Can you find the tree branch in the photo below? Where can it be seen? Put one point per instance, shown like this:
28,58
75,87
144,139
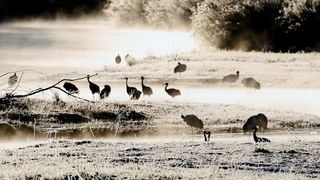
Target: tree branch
36,91
77,79
72,94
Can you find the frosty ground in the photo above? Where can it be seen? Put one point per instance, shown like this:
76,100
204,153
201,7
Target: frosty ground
163,159
118,138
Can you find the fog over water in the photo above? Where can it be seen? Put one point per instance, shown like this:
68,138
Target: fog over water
83,43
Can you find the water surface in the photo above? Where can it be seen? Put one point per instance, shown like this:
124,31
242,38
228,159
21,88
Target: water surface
83,43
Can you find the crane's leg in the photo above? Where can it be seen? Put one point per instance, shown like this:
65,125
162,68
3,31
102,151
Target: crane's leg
192,133
260,130
205,135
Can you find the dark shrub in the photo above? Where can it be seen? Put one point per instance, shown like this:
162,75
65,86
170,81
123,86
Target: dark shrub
275,25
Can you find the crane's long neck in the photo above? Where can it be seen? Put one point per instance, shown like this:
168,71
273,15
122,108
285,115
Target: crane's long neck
88,79
255,135
127,83
142,83
166,87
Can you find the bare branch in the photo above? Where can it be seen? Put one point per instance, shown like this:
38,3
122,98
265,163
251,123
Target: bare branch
72,94
36,91
77,79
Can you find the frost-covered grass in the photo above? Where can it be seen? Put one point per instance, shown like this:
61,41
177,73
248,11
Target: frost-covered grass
169,159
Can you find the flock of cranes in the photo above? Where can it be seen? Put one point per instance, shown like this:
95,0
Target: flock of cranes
134,93
259,120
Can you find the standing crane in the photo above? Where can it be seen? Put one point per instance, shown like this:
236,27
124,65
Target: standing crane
93,87
172,92
231,78
147,91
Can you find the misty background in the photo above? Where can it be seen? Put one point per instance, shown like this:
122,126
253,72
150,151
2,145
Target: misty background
260,25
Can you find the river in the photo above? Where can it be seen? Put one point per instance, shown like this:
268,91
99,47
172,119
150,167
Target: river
83,43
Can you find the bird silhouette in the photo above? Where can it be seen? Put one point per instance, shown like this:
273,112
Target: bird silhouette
258,139
136,94
259,120
71,88
105,92
147,91
13,80
207,135
231,78
172,92
93,87
180,68
130,60
251,83
193,121
130,90
118,59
